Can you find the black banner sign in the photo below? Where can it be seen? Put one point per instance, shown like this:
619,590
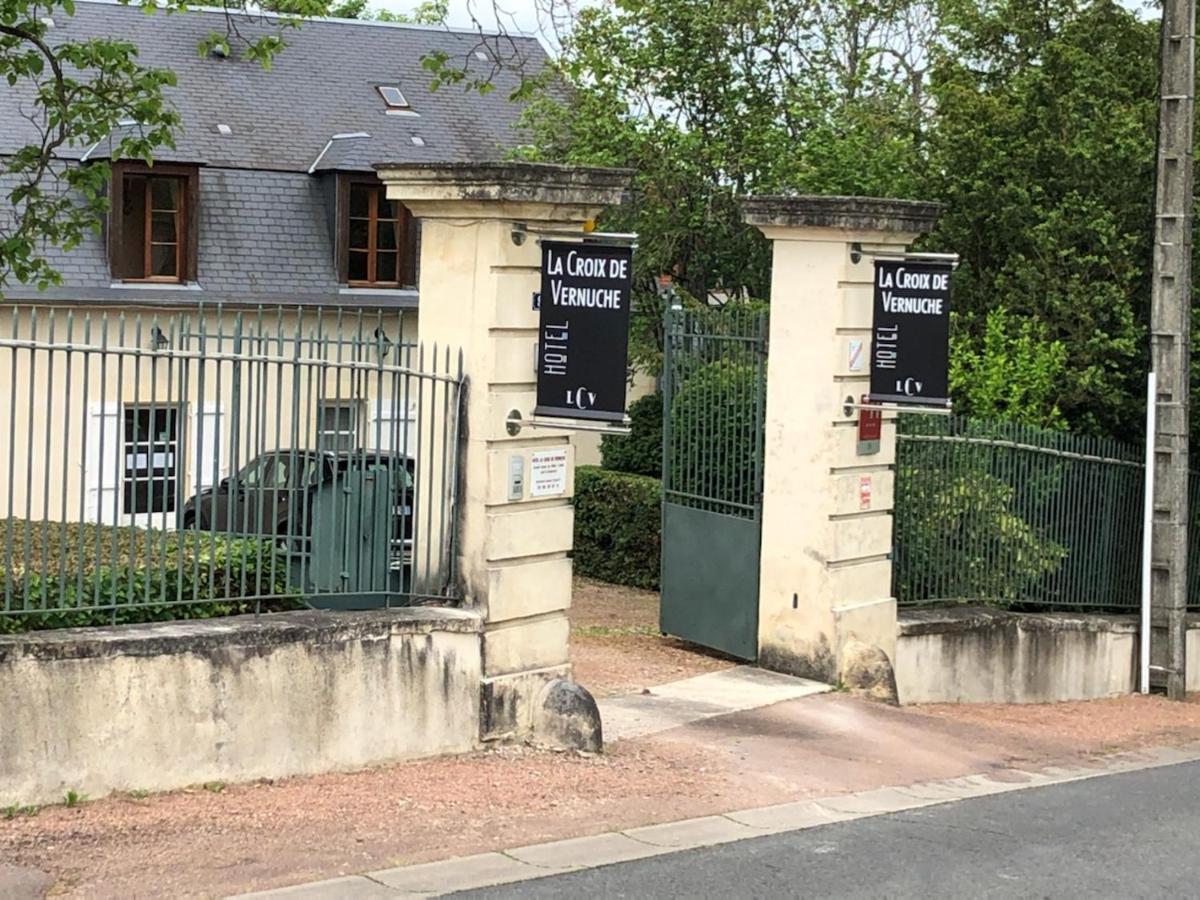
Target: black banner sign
583,332
911,333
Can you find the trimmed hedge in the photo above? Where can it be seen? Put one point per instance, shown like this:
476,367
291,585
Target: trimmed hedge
640,451
618,526
72,575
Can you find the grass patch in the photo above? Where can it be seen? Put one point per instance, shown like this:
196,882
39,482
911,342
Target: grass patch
17,809
73,799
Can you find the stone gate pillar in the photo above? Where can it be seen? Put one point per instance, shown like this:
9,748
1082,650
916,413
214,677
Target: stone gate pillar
825,566
478,275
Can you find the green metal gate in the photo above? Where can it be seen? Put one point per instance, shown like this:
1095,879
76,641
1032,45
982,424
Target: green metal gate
714,394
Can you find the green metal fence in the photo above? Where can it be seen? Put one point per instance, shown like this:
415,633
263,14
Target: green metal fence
162,465
714,395
1022,517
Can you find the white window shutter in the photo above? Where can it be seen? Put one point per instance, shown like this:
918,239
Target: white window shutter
389,423
104,450
207,432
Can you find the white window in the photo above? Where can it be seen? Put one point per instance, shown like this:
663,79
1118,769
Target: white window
337,425
149,482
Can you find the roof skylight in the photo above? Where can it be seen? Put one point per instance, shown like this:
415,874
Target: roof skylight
392,96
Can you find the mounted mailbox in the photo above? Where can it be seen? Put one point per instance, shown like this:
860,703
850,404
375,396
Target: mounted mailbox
583,330
870,428
910,355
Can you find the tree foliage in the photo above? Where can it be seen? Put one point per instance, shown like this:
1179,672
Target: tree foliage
1011,373
1043,153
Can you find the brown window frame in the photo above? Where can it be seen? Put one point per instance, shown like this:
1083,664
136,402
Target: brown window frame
405,238
185,218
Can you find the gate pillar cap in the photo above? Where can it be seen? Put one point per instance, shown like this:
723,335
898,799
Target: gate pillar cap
840,213
506,182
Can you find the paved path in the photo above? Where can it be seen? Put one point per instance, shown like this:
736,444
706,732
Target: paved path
701,697
1126,835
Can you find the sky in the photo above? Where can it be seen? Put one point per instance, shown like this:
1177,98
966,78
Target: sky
519,16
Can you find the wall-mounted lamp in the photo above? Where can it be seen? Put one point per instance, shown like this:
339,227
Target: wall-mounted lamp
158,340
383,342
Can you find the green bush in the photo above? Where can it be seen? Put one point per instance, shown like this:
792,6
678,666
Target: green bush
618,526
640,452
50,573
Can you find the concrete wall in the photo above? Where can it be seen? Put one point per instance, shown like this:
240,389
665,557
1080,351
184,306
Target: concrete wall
154,707
979,655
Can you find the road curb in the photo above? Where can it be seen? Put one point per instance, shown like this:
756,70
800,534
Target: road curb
594,851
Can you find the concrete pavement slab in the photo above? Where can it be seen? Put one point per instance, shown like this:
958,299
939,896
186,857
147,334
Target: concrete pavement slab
977,786
702,697
700,832
787,816
873,803
463,873
351,887
594,850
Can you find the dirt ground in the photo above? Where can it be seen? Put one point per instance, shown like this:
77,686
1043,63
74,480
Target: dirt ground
217,840
616,647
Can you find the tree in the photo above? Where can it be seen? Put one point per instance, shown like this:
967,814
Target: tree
1010,373
1043,153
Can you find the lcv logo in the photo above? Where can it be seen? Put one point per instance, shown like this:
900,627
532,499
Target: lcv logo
581,398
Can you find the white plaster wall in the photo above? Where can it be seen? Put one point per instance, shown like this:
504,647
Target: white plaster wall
156,707
1016,659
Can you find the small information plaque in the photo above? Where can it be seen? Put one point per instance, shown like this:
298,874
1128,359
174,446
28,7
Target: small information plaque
548,473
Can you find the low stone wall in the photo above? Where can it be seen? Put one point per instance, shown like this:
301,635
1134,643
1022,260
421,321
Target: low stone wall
154,707
981,655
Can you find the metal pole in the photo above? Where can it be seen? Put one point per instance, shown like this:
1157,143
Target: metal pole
1170,309
1147,533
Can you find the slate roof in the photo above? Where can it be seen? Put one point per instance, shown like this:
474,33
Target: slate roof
265,230
323,83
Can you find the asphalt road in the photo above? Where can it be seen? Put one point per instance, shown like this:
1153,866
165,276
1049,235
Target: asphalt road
1128,835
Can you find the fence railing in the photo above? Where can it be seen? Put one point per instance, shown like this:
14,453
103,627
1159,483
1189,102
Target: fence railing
714,395
158,465
1005,514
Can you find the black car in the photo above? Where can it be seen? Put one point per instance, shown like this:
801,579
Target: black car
272,495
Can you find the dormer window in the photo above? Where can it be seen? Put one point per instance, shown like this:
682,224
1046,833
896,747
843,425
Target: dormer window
376,241
393,97
152,223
